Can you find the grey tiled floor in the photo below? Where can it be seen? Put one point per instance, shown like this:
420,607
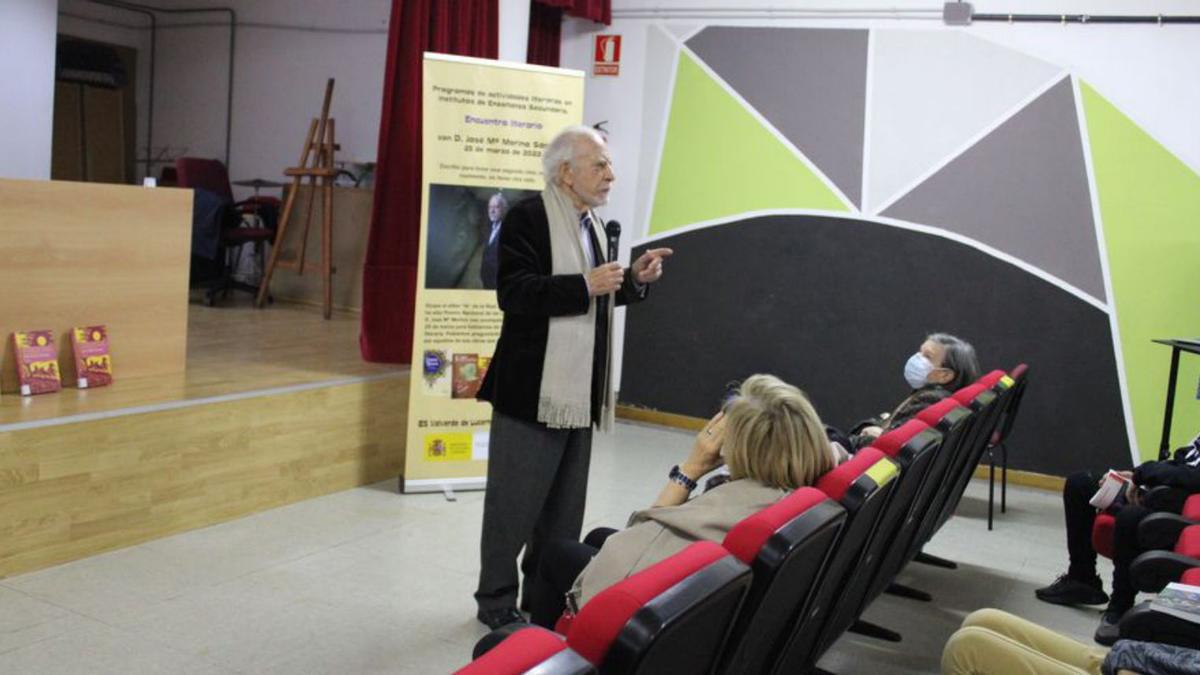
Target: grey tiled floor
369,581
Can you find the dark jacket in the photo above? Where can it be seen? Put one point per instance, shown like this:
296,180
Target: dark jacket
909,408
529,295
490,265
1181,471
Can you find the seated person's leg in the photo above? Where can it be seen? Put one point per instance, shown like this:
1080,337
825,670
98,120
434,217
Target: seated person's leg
1125,549
1080,585
598,536
488,642
1151,657
562,560
1038,638
974,650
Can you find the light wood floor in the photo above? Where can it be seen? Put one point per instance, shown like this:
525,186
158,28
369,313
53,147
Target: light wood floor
275,407
232,348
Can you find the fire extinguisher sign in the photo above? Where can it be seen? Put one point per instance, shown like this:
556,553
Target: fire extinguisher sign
607,55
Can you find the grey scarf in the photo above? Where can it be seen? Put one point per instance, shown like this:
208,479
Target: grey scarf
565,399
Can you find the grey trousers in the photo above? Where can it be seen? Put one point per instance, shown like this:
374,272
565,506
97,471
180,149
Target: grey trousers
536,489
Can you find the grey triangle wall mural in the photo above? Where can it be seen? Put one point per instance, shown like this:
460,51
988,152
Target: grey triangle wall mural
833,196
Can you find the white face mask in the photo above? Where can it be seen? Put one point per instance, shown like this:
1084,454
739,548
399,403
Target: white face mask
917,370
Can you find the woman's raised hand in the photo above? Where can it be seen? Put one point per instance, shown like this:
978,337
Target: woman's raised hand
706,451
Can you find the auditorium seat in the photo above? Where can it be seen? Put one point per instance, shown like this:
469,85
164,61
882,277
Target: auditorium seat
673,616
914,446
1176,510
862,486
1161,530
1147,625
954,421
1012,387
1153,570
984,403
914,462
786,545
529,650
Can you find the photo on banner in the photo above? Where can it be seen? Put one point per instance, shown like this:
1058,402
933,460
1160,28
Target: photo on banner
485,125
464,234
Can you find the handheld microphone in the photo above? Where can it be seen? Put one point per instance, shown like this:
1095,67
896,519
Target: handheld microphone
613,231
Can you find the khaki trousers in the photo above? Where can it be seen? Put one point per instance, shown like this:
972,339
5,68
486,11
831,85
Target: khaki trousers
995,642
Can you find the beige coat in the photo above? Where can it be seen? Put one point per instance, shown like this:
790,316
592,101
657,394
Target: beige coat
658,533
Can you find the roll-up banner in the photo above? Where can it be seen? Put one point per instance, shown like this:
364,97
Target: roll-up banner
485,124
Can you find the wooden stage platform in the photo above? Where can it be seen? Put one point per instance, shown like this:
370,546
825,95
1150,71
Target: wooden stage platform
274,406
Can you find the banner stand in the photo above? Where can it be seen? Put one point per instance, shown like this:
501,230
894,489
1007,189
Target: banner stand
485,125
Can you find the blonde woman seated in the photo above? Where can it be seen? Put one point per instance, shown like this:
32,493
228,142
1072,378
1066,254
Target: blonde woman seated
772,441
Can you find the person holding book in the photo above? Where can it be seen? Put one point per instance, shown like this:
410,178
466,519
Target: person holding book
772,440
993,642
1081,585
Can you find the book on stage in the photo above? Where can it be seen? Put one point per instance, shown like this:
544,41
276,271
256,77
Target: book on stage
37,362
93,363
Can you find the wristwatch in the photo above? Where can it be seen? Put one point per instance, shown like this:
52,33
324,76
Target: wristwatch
677,476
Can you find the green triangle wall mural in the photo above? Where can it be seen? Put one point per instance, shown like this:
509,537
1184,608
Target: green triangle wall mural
1150,207
718,160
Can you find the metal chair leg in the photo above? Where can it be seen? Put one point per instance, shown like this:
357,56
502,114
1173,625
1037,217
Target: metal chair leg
991,488
1003,478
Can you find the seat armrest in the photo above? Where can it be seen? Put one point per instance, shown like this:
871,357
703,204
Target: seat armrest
1165,498
1160,531
1153,570
1146,625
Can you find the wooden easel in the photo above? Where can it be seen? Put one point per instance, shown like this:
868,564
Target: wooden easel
319,147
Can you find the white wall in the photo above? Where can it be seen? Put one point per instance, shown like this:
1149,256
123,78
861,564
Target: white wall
27,29
285,51
1147,71
514,30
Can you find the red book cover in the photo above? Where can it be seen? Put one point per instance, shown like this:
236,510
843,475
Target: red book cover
465,376
93,363
37,362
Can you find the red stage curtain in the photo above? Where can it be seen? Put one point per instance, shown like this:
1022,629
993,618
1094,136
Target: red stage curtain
466,27
545,34
599,11
545,25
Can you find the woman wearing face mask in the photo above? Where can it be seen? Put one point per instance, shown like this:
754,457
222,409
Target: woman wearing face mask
941,366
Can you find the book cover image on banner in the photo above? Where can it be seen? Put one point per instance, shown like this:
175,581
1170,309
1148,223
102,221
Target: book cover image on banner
485,125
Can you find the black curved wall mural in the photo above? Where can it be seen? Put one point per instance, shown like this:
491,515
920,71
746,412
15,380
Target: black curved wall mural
836,305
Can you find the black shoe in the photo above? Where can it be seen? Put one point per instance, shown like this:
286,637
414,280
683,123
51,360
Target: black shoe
1109,630
1068,591
495,618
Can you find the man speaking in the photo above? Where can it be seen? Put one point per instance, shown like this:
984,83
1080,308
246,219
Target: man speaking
549,381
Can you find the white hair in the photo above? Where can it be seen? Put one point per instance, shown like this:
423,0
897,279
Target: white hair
561,149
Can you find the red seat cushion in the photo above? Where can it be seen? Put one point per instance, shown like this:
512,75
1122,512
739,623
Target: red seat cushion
1102,534
968,393
602,618
746,538
934,413
891,442
1191,508
990,380
1191,577
837,481
518,653
1188,543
